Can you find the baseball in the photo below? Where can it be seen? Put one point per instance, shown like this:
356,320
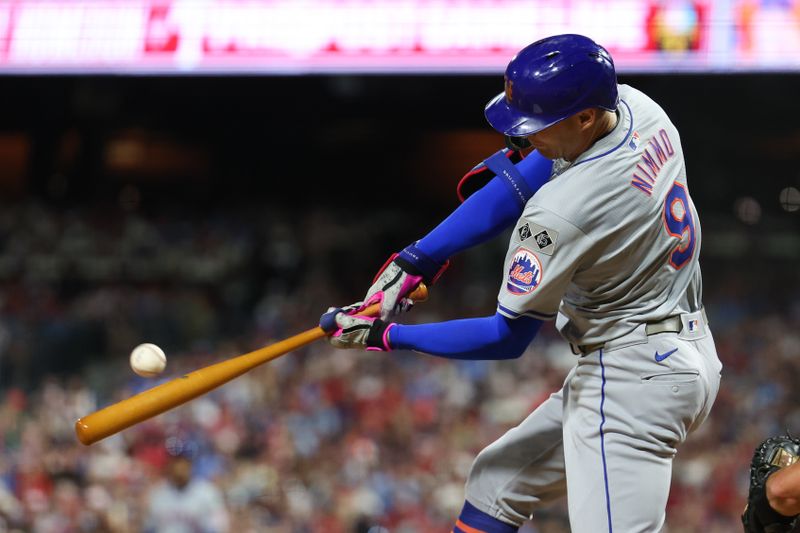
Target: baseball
148,360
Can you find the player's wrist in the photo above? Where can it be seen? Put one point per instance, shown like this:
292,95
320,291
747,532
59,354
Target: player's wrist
378,336
416,262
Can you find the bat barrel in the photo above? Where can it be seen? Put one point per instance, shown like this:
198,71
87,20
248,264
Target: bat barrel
147,404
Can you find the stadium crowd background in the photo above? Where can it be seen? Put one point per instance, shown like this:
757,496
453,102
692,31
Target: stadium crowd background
274,215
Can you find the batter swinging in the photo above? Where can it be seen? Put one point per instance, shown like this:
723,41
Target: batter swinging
605,242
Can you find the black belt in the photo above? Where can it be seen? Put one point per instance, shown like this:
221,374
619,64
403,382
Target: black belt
671,324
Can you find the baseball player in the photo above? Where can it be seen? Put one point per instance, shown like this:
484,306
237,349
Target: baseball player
606,245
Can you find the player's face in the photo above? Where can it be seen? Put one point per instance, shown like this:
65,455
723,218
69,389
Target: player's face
566,139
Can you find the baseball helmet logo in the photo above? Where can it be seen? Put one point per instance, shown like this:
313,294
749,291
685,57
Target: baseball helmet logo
509,90
524,273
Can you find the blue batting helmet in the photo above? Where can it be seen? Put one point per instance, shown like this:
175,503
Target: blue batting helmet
551,79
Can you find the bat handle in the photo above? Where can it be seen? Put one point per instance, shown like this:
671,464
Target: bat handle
328,321
420,294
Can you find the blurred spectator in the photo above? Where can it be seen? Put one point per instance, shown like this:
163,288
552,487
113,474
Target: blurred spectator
315,441
183,503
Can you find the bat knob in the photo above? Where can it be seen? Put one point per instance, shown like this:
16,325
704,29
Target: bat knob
83,433
420,294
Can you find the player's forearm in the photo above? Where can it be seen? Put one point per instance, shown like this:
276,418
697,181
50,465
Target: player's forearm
783,490
492,337
486,213
482,216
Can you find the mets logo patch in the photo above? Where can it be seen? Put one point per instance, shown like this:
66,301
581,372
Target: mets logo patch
525,272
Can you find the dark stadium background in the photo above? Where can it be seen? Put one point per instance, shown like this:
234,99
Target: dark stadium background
246,135
368,163
358,144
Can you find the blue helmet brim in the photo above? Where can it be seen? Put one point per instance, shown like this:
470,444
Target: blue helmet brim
509,121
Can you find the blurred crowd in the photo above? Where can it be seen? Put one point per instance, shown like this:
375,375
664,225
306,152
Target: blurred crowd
318,440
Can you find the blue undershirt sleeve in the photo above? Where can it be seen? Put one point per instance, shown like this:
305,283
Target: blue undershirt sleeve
485,214
491,337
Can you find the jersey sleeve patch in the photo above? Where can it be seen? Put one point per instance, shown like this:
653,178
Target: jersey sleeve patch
524,272
543,238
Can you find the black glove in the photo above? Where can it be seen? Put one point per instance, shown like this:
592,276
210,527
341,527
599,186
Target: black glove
769,457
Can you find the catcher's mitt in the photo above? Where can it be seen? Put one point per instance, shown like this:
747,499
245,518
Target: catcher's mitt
771,455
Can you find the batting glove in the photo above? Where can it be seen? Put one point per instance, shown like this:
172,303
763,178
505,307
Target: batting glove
399,276
351,330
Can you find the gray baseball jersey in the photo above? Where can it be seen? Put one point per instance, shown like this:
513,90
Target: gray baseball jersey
609,246
612,240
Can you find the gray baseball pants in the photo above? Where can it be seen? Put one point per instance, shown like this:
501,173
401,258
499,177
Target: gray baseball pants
607,439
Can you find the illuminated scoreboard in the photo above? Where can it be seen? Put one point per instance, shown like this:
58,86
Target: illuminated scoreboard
389,36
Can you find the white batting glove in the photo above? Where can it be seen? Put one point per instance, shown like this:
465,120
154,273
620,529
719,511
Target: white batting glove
400,275
351,330
390,288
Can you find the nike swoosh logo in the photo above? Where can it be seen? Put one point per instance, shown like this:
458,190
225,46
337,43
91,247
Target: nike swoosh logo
661,356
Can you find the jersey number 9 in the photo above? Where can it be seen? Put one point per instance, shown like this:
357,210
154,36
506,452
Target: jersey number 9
679,221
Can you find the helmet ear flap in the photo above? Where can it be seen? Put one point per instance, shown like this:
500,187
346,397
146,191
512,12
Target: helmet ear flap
517,143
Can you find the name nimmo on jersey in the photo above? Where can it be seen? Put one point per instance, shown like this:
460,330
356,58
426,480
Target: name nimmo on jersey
647,170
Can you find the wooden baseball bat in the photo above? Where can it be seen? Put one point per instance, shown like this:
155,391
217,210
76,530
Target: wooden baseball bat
152,402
